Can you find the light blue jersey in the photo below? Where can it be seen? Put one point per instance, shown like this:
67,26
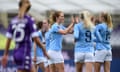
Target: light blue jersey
39,52
47,39
102,33
83,38
56,37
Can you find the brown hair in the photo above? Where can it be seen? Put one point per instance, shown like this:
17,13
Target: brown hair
39,25
55,15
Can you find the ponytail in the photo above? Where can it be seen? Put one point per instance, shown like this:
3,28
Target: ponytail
109,21
87,20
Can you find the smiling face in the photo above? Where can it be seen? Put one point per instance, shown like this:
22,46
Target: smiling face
45,25
61,17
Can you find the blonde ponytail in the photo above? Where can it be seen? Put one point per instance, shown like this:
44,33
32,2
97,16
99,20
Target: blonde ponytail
109,21
51,21
87,20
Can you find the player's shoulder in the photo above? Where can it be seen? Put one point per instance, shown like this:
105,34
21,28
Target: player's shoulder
100,25
14,20
55,25
30,17
78,24
39,32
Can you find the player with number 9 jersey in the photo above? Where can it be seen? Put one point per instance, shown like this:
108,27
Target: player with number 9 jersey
84,48
83,38
21,30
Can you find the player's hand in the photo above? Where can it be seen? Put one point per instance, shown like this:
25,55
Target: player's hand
4,60
72,20
35,59
46,54
76,19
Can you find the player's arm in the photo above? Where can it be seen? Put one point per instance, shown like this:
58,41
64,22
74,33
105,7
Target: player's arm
9,35
76,19
34,34
37,41
76,32
67,30
71,31
6,51
7,46
34,45
98,35
35,56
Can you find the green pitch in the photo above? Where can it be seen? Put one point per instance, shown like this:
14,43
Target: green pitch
3,42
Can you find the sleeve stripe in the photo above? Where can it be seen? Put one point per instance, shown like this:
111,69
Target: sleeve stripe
8,35
34,34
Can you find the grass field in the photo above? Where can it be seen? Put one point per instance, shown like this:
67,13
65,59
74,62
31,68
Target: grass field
3,42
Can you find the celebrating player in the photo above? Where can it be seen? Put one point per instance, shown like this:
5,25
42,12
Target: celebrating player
103,52
57,30
84,49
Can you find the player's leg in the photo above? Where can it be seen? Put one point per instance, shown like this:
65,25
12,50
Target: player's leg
99,59
51,61
59,67
47,68
97,66
108,60
20,71
24,71
107,66
52,68
79,60
34,68
56,62
59,62
78,66
89,66
41,66
89,60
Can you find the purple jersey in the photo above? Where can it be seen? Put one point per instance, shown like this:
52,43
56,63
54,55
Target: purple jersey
22,30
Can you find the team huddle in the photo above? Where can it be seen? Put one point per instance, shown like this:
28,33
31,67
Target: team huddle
40,45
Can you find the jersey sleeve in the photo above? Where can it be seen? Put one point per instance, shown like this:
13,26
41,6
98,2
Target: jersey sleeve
63,27
76,32
9,33
32,28
55,28
40,35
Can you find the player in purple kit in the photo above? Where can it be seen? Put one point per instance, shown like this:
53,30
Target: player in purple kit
22,29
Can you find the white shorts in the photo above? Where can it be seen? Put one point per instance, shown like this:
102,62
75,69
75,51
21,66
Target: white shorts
46,63
55,57
40,60
103,55
84,57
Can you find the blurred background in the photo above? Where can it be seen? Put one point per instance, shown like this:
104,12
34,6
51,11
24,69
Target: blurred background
42,9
